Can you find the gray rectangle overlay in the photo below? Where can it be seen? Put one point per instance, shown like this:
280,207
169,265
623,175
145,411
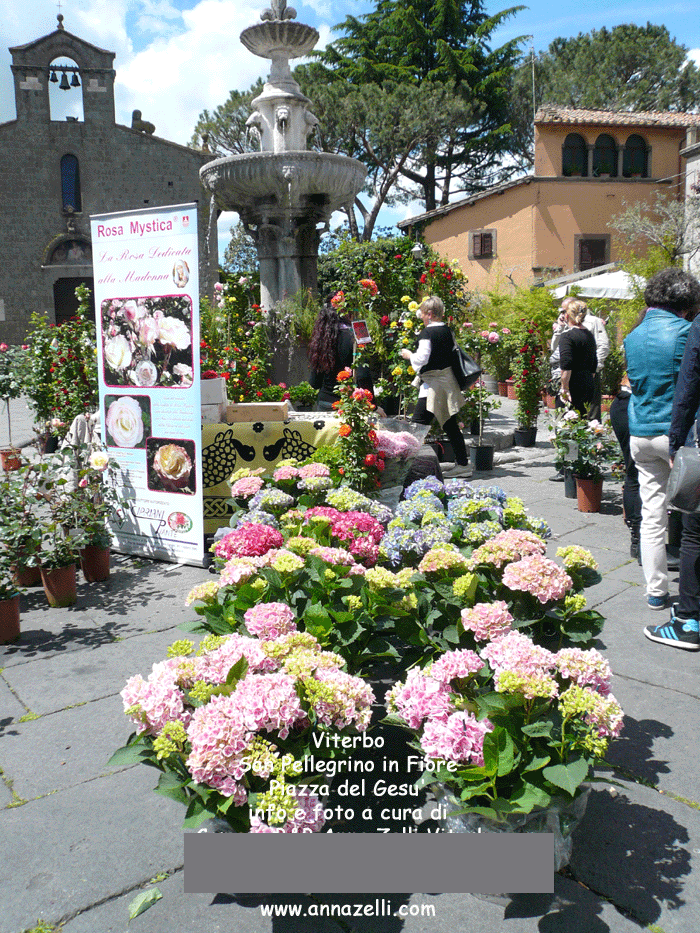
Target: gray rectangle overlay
390,863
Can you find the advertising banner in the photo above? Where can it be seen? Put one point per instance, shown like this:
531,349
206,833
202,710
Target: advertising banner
147,314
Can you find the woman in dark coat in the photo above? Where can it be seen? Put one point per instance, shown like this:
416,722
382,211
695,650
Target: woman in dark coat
331,350
577,358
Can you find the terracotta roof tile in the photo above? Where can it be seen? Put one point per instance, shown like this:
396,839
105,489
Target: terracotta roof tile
616,117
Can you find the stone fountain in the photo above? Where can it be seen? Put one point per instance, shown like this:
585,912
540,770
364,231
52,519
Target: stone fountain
285,193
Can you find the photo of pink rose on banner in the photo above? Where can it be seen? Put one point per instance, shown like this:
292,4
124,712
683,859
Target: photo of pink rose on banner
147,342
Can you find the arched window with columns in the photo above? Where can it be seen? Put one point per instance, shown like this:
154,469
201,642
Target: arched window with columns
605,156
635,160
574,157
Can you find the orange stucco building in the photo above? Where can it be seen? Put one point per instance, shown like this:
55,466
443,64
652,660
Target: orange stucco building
588,166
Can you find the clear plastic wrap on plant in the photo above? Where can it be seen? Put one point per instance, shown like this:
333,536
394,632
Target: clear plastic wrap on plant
560,818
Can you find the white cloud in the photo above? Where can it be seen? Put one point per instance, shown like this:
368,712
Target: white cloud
694,55
176,77
158,16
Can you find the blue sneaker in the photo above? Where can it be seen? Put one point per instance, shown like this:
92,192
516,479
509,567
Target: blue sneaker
679,633
658,602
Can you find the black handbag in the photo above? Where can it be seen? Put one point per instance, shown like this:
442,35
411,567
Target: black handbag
466,370
684,480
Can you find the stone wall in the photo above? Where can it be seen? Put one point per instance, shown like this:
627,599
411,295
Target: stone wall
120,169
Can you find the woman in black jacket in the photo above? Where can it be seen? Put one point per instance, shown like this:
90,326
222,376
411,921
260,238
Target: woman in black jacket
440,396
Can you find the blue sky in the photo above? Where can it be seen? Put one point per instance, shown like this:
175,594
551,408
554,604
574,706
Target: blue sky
174,58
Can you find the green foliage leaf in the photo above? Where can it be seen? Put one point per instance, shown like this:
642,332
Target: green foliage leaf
130,755
170,785
143,901
538,729
317,621
196,814
568,777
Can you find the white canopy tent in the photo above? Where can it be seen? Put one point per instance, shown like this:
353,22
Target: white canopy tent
616,284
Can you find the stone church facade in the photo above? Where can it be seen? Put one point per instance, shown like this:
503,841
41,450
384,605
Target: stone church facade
55,173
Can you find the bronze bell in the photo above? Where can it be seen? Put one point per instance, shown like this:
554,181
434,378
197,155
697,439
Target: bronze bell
64,85
74,82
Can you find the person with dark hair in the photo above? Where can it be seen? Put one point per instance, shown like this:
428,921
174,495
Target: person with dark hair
439,396
330,351
654,350
683,628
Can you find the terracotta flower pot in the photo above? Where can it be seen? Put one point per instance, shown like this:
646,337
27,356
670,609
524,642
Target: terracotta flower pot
94,562
589,493
27,576
10,459
503,389
9,619
60,585
511,390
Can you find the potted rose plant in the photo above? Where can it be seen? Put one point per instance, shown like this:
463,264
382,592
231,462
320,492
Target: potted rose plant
60,538
21,527
96,499
585,449
528,371
9,599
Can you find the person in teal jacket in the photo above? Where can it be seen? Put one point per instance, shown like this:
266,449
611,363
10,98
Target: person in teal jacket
654,350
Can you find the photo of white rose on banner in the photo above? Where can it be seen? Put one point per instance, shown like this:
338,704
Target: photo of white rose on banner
171,465
127,420
147,342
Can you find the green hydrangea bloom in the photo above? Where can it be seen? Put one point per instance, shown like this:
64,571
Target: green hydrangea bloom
181,648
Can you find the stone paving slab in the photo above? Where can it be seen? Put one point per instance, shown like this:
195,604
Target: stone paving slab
77,847
105,611
72,746
178,912
634,656
641,850
10,708
571,909
63,680
655,745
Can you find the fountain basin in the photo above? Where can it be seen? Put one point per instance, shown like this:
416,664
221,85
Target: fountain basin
285,38
287,180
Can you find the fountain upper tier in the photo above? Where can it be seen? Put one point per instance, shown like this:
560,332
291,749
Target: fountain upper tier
262,183
280,39
285,192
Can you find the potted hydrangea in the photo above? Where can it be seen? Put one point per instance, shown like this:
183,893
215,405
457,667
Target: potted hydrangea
234,725
513,730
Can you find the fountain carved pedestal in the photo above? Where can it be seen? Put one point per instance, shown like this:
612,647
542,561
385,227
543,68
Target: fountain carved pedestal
285,193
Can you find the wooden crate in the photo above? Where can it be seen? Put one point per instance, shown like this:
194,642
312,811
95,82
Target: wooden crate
257,411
